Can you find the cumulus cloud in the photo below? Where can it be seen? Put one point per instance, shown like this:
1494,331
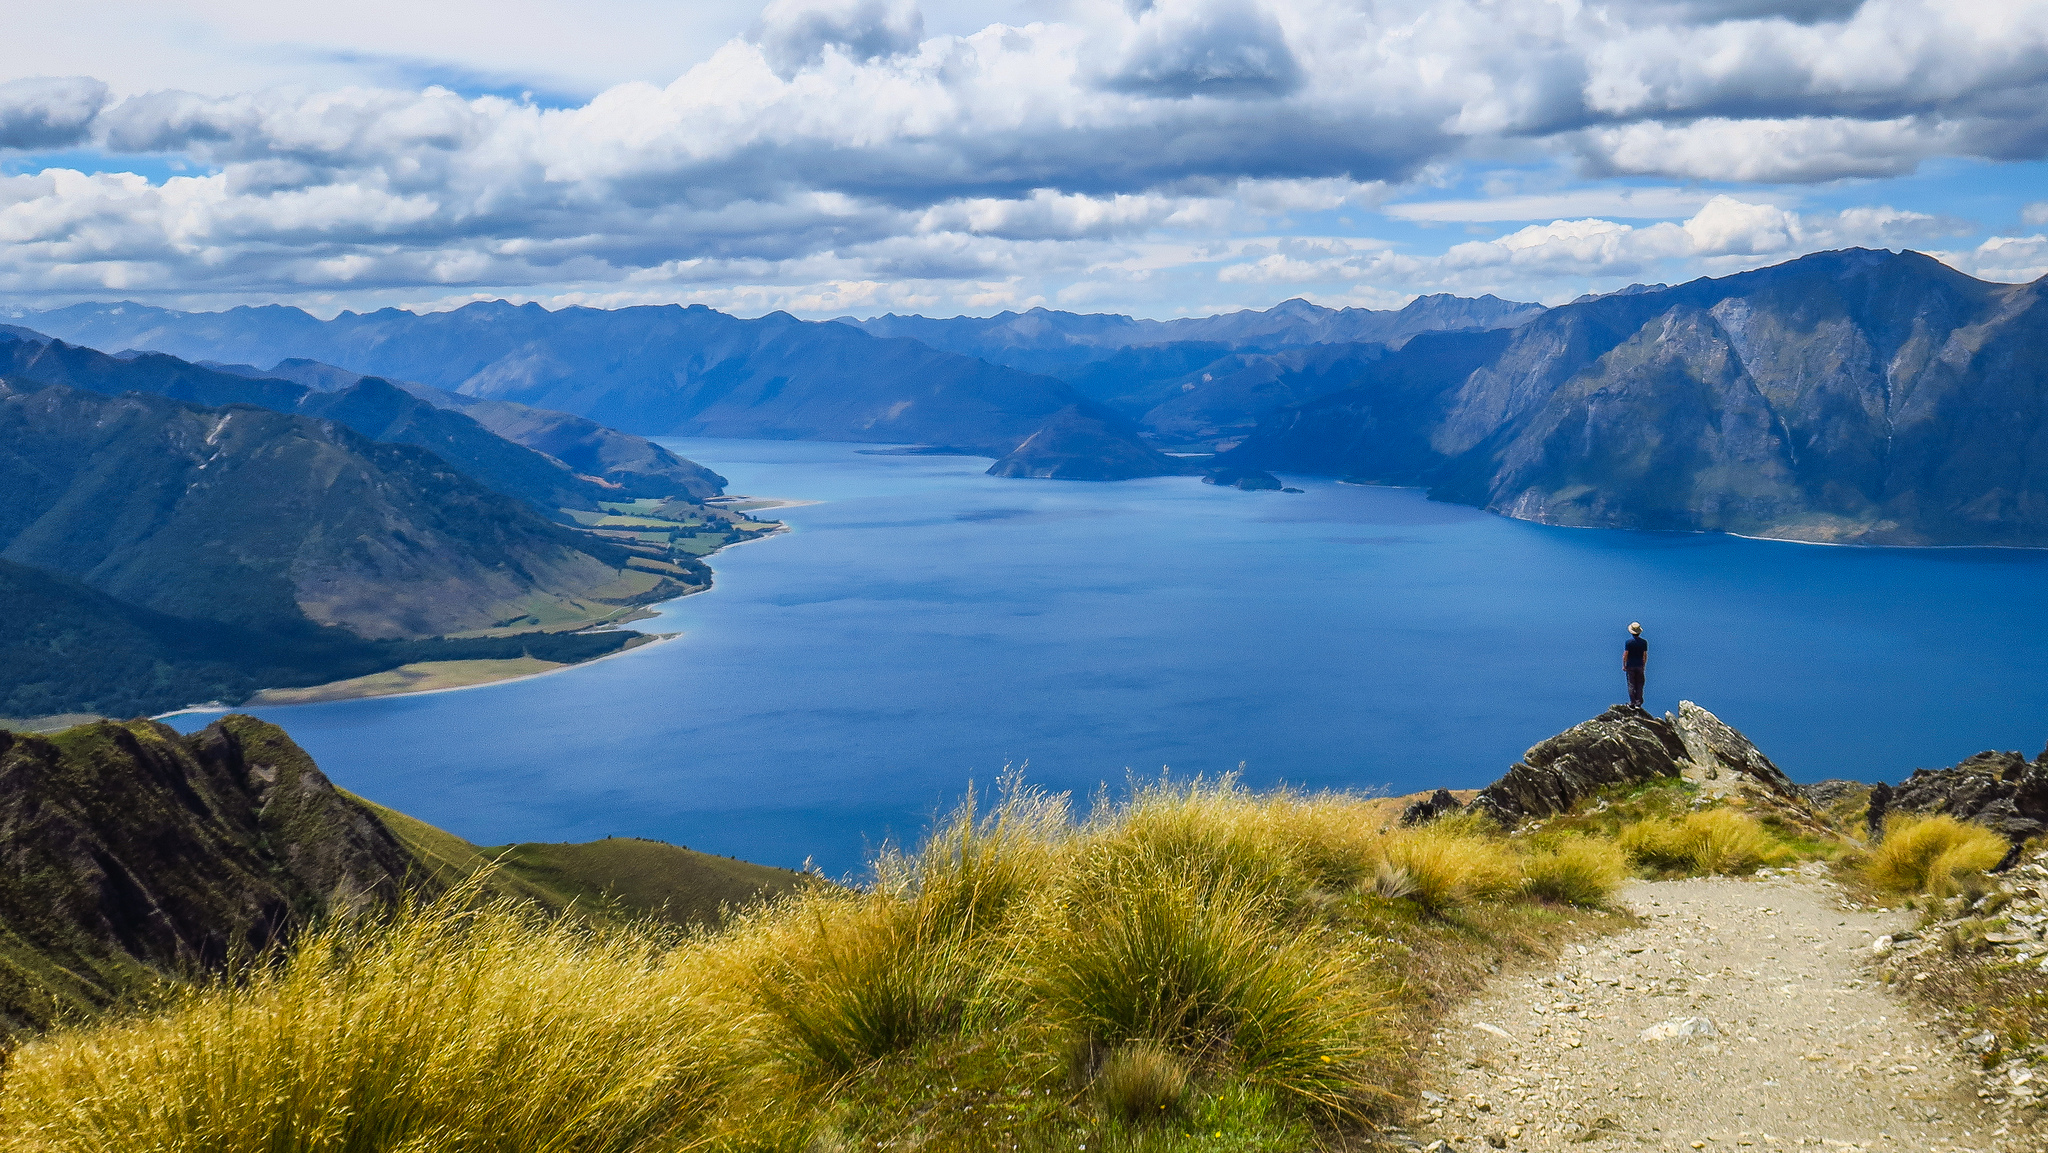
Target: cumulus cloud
794,34
838,142
1225,48
48,112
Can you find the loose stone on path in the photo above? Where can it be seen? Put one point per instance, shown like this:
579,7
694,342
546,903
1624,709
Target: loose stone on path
1742,1014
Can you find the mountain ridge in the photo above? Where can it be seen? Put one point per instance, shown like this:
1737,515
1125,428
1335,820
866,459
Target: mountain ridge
1854,396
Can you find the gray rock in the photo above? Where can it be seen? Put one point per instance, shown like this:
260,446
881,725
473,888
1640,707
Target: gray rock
2003,791
1624,745
1711,744
1430,808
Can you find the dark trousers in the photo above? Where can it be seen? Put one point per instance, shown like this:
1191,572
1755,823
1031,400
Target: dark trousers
1635,686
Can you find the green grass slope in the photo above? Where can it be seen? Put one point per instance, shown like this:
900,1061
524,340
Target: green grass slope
615,879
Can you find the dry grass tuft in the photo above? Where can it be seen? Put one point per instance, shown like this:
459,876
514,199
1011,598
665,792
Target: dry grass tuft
1707,842
1142,1082
1444,864
1576,870
1931,854
451,1028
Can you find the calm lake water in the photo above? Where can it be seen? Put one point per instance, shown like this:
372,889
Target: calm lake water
925,625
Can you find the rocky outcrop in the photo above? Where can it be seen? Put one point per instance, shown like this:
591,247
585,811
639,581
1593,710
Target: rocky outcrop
2002,791
1718,751
1623,746
1438,804
1626,746
130,854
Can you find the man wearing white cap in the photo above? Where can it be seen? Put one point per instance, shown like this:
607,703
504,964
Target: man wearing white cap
1634,655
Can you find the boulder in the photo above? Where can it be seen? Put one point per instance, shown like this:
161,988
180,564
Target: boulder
1430,808
1717,750
2003,791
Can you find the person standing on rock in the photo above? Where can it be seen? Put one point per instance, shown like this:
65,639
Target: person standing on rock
1634,655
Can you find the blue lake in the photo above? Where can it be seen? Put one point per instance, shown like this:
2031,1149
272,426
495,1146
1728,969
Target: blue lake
924,625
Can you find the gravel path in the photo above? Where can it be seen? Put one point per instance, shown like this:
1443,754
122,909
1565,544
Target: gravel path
1783,1038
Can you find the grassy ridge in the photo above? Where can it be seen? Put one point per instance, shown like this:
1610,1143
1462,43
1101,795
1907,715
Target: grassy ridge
1197,969
613,881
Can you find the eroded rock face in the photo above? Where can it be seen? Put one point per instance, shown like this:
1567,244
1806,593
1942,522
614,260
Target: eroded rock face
2003,791
1624,745
1627,745
129,853
1710,744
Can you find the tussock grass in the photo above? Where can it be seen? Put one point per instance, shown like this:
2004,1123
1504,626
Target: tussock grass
1255,962
1930,854
451,1028
1142,1082
1448,863
1706,842
1576,870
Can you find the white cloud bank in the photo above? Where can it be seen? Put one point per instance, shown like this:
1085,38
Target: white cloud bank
840,154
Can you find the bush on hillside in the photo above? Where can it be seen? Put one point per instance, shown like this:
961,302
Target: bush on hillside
1930,854
1209,972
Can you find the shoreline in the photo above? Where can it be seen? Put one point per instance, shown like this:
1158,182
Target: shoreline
764,504
654,639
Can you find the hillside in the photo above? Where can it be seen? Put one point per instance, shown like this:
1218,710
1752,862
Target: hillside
1570,958
385,413
652,371
263,520
136,856
637,466
1855,396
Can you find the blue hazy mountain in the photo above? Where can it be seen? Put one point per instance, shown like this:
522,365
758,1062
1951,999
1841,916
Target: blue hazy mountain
650,371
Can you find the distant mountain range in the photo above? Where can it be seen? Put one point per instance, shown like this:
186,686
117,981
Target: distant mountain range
1042,340
971,383
1855,396
1862,396
655,371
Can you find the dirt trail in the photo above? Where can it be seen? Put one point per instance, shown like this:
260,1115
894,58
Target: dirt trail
1804,1047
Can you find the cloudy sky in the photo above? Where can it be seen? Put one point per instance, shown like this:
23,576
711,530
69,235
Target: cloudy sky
1156,157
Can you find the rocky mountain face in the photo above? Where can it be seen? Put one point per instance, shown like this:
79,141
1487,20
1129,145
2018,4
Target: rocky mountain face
383,412
1873,397
1623,746
258,519
654,371
2000,790
135,855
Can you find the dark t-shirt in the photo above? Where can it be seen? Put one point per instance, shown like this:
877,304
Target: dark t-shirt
1634,651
